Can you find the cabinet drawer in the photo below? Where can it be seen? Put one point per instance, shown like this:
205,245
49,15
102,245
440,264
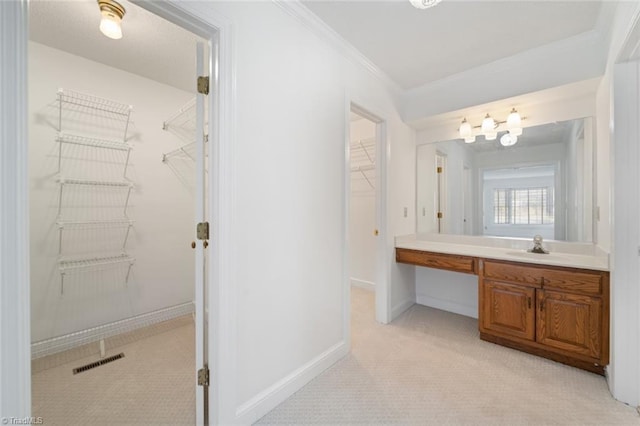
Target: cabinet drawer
436,260
513,273
572,281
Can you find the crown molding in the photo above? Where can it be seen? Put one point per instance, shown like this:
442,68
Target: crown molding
327,34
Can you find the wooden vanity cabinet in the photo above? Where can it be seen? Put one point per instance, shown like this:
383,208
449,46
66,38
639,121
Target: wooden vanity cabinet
449,262
508,309
559,313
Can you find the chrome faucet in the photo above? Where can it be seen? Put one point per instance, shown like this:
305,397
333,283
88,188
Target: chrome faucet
537,246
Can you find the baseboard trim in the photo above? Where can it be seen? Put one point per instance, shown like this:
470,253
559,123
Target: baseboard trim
367,285
79,338
397,310
267,400
447,305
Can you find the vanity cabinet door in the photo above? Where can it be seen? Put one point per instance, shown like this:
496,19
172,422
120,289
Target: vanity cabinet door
570,322
508,309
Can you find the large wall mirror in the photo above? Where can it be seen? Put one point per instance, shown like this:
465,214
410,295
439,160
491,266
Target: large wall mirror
543,184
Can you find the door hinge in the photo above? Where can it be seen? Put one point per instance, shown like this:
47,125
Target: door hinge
202,231
203,85
203,376
439,215
439,170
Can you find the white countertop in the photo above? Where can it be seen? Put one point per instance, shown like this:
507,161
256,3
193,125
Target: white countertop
570,255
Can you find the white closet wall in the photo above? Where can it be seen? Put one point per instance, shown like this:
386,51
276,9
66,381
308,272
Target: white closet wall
362,220
161,203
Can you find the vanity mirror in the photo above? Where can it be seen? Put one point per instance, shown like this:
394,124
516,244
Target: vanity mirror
541,184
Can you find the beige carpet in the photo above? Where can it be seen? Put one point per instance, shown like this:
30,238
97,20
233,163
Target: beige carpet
152,385
430,367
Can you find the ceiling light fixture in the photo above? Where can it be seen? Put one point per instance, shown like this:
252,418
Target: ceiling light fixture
508,139
489,128
112,14
424,4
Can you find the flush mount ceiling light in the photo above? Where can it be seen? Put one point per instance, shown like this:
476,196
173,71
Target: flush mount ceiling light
489,128
424,4
508,139
112,14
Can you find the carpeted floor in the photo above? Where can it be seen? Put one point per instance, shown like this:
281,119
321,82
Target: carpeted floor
427,367
430,367
152,385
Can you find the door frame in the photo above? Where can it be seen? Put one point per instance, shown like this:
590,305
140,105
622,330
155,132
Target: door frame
15,333
382,284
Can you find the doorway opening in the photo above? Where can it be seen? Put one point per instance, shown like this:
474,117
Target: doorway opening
366,229
118,179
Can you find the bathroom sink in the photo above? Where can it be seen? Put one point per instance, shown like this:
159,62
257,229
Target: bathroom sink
537,256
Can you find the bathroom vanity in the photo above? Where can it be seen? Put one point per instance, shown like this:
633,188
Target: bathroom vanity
553,305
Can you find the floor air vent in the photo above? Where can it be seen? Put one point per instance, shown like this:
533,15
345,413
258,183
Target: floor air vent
97,363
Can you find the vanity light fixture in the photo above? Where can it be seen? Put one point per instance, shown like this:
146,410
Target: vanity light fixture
424,4
489,128
112,13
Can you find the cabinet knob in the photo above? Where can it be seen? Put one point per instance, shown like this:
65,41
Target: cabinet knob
193,244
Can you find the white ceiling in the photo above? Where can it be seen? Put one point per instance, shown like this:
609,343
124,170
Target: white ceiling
416,47
412,46
151,47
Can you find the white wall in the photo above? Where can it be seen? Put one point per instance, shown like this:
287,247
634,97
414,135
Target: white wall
362,220
449,291
287,258
617,113
161,204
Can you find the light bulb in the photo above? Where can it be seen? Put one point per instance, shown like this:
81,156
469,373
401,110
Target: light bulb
465,129
112,13
110,26
470,139
514,123
488,126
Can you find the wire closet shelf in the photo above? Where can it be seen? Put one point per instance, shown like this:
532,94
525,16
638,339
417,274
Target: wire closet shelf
93,112
363,160
183,125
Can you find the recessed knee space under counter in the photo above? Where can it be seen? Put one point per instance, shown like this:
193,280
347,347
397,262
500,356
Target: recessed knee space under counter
552,305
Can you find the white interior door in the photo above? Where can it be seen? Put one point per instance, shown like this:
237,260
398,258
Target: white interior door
441,197
201,245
